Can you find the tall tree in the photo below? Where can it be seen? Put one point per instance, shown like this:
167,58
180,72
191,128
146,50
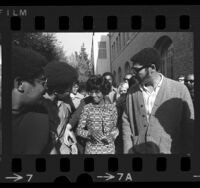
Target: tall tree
83,64
44,43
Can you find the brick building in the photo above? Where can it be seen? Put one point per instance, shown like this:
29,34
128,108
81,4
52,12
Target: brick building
176,49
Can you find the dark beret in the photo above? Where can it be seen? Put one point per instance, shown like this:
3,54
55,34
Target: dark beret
60,73
147,56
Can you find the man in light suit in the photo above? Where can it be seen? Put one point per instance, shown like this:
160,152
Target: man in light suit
159,114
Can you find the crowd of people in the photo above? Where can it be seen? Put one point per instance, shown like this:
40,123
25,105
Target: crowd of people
53,113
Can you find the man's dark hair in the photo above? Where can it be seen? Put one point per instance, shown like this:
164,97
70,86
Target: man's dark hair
147,57
60,76
98,83
27,64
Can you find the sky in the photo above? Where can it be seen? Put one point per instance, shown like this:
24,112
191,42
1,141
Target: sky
72,42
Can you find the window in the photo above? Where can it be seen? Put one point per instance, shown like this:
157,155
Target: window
167,61
119,42
127,68
102,44
123,39
117,45
119,75
114,50
165,46
114,76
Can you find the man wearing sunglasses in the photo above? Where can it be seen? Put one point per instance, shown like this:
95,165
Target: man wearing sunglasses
189,82
159,112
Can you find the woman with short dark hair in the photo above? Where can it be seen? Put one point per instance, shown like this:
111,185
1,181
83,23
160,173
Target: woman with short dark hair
98,119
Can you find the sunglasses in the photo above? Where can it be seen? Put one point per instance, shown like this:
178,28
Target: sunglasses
126,79
190,81
137,70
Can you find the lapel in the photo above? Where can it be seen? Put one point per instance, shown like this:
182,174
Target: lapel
159,96
138,99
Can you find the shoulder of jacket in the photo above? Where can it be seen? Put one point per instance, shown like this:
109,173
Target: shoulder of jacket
174,84
35,116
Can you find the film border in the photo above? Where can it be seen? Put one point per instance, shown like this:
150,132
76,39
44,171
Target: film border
52,14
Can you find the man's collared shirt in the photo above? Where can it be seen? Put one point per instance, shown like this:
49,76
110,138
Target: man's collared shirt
150,96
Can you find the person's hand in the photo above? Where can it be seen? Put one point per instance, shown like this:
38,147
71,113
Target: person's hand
96,135
69,135
108,139
74,149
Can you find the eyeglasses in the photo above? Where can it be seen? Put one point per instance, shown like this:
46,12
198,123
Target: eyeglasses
190,81
126,79
137,70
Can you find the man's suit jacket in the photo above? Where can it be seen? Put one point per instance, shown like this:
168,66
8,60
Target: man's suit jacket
170,125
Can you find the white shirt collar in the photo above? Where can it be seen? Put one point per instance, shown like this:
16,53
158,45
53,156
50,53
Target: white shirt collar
144,88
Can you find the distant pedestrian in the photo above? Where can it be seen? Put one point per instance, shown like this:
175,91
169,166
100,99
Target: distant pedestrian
112,96
75,95
82,89
189,82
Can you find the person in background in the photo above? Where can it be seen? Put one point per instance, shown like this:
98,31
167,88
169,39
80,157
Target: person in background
181,79
75,95
98,119
60,78
132,81
30,128
127,77
120,104
82,89
189,82
113,91
159,113
122,89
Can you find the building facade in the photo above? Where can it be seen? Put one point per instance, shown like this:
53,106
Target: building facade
103,57
176,49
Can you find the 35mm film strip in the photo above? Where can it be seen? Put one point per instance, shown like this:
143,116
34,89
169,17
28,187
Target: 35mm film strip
144,129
